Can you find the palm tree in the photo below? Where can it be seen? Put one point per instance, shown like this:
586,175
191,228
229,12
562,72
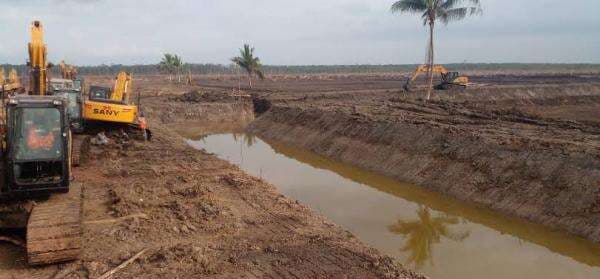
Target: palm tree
171,63
424,233
248,62
178,64
432,10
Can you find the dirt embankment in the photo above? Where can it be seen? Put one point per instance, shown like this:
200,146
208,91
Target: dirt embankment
490,152
206,218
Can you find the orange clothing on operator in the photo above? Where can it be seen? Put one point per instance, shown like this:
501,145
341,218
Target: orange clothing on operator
35,141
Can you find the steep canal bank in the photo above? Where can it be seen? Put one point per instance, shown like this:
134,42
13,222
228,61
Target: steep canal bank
537,169
441,237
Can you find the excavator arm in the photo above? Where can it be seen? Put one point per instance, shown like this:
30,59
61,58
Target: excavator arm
37,61
437,69
121,90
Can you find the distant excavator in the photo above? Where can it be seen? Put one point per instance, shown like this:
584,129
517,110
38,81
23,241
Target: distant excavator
449,80
72,88
12,84
113,108
67,71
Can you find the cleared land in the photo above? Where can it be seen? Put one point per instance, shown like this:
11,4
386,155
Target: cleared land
524,145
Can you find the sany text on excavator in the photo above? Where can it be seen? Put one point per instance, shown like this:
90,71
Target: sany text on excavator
36,191
114,108
449,80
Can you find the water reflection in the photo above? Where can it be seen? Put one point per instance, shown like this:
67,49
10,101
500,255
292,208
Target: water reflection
577,248
246,138
422,234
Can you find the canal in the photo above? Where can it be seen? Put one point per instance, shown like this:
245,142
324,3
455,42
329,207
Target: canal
434,234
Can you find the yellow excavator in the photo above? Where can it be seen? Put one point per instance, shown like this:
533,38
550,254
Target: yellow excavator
113,108
12,84
36,191
67,71
449,80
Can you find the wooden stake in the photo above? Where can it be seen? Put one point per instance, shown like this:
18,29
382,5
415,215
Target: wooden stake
123,265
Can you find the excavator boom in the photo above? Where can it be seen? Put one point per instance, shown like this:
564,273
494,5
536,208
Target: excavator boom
37,61
437,69
121,90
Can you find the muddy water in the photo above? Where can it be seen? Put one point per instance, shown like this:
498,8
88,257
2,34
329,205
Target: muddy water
428,232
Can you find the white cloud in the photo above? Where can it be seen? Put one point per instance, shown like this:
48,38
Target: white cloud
298,32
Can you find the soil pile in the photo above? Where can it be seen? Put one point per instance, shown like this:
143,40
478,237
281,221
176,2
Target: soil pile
196,96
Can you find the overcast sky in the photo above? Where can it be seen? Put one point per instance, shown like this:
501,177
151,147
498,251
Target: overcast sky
298,32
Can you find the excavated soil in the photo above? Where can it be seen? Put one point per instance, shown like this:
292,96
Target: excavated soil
194,215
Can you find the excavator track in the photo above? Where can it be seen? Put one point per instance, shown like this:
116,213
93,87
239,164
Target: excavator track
81,147
139,134
54,229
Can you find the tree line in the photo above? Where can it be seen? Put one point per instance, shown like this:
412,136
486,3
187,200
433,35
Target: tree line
197,68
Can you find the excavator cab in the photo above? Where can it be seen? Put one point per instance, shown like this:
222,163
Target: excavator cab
99,93
452,80
74,108
449,76
36,147
79,85
71,91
